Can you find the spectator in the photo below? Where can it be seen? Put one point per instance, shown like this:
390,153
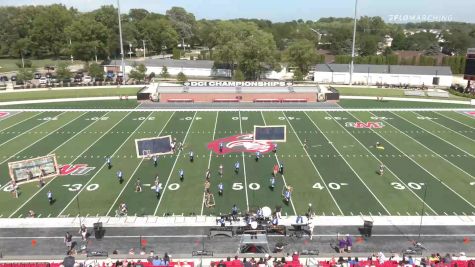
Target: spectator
295,257
236,261
221,264
156,261
261,263
288,258
341,245
166,258
462,256
246,263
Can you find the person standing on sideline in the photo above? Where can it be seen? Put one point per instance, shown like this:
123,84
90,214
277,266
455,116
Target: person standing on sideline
181,173
208,174
68,240
258,155
281,168
349,243
191,156
155,160
83,232
109,162
234,212
275,170
311,226
50,197
274,148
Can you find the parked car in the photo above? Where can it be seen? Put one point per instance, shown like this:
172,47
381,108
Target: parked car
13,78
43,80
49,75
3,79
86,79
77,79
37,76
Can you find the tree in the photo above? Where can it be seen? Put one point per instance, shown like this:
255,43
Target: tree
159,34
368,45
458,41
138,73
298,75
96,71
181,77
47,32
301,54
182,21
63,72
238,76
88,37
25,74
164,74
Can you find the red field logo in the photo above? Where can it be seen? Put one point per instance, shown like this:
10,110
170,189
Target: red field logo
365,125
76,169
240,143
471,113
3,114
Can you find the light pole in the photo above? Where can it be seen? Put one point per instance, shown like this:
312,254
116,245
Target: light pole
121,43
353,45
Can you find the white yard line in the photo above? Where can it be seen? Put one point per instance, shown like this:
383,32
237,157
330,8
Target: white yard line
430,134
104,164
209,161
244,165
451,163
50,133
434,121
420,166
174,164
30,129
277,159
22,120
70,163
141,161
357,175
452,119
408,187
313,164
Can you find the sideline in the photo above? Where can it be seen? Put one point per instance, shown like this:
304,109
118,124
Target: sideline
182,221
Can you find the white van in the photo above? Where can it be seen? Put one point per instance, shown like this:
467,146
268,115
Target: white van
43,80
86,79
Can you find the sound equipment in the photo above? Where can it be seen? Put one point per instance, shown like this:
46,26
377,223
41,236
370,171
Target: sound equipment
98,230
367,228
202,253
435,80
97,254
469,73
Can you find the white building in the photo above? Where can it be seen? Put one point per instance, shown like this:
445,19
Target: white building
191,68
384,74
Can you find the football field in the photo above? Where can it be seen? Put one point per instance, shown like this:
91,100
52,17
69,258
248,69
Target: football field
330,160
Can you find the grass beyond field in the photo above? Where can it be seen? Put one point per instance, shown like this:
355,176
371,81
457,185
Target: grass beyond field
11,64
428,156
67,93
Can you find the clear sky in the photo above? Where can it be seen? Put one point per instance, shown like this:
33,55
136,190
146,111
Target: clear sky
286,10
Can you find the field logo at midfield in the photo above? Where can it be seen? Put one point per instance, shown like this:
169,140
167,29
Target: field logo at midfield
3,114
365,125
240,143
76,169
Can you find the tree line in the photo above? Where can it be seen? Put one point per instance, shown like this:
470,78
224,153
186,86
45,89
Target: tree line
248,47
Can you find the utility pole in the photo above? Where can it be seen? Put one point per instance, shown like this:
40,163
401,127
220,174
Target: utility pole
144,56
353,45
121,43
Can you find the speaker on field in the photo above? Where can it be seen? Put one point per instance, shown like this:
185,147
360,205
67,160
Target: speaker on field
367,228
435,80
98,230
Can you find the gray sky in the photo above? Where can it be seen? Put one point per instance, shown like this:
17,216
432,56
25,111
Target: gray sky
285,10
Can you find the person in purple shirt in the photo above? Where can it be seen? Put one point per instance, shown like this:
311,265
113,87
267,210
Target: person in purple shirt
341,245
349,243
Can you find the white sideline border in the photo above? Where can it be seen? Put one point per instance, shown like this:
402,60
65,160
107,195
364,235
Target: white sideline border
237,109
210,221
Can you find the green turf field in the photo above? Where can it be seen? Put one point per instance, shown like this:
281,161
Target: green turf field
428,155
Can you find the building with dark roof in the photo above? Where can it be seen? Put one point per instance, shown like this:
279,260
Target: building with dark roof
384,74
